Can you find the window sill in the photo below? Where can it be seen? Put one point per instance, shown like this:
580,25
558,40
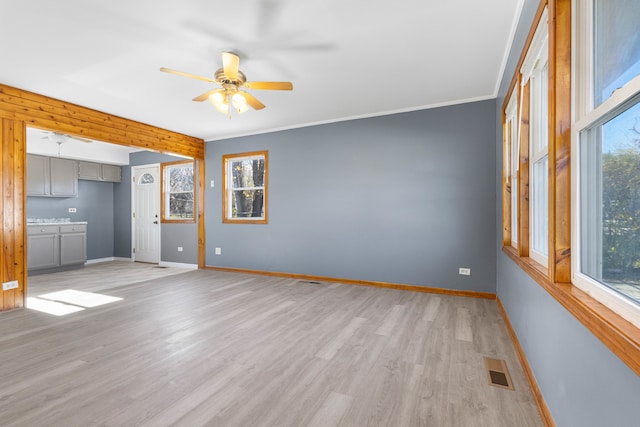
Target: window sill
619,335
244,221
178,221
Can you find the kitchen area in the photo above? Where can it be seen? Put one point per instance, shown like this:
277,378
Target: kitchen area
70,207
79,205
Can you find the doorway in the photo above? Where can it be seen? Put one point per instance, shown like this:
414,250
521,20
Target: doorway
145,203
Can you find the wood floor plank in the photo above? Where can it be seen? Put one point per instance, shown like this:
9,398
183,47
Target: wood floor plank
390,320
331,411
189,348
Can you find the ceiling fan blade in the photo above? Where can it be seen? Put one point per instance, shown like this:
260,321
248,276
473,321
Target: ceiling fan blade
230,64
81,139
182,73
204,96
269,85
252,101
63,137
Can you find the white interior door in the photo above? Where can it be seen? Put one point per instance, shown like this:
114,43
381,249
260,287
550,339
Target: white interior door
146,213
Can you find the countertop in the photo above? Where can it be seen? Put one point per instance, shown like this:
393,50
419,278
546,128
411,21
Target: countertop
53,221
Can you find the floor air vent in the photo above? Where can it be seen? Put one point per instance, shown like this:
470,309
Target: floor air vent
497,373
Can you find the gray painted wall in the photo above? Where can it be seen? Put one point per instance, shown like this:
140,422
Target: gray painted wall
122,215
171,235
94,204
583,382
405,198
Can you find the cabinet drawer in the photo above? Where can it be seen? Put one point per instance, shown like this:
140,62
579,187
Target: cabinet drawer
42,229
75,228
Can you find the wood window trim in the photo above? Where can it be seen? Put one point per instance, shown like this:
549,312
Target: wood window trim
225,218
163,195
523,174
618,334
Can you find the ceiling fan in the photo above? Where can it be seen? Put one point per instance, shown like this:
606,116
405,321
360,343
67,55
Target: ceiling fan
231,81
61,138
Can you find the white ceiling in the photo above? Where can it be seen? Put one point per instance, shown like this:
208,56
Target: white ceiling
346,58
65,146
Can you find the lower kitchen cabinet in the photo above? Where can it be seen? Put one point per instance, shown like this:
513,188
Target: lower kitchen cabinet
73,244
43,248
51,246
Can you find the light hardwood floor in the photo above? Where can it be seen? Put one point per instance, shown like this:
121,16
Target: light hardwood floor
227,349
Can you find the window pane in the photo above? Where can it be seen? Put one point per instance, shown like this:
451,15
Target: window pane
610,203
617,45
181,205
147,178
247,203
248,173
181,179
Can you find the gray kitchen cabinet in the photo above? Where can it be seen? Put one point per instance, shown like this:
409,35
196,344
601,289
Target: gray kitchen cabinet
64,177
73,244
111,173
51,246
89,170
38,176
51,176
43,249
99,172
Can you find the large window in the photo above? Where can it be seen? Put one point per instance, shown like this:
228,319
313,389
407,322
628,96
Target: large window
607,157
245,179
535,73
577,180
178,191
511,159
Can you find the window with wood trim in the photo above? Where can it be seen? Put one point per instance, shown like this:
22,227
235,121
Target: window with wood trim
511,130
593,166
178,191
245,178
606,156
535,73
526,150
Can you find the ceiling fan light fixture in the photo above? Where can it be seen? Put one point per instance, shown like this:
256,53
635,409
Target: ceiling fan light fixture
238,100
222,107
243,108
217,98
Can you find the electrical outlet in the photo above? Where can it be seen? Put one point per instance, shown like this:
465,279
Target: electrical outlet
212,183
10,285
72,210
218,251
464,271
179,248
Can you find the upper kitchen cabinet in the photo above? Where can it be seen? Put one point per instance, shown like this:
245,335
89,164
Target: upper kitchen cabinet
99,172
51,176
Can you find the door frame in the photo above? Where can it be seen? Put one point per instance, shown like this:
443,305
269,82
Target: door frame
18,108
133,205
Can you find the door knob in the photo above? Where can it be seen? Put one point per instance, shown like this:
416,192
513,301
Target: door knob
155,222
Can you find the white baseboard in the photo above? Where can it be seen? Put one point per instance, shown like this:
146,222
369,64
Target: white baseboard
107,259
178,265
99,260
119,258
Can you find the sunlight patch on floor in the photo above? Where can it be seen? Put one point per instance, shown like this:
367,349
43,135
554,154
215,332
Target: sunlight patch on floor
51,307
81,298
68,301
